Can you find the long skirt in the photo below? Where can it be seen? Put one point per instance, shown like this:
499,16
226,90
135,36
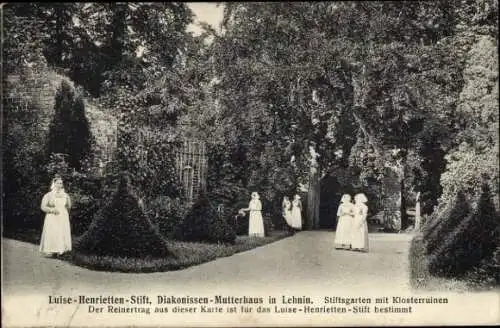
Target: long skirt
256,224
296,218
343,232
56,234
287,214
359,235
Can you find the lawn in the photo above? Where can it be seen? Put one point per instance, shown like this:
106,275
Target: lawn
187,254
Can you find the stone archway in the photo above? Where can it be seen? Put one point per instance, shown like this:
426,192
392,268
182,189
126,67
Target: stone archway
331,190
329,198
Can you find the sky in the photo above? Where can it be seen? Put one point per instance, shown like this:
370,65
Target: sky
207,12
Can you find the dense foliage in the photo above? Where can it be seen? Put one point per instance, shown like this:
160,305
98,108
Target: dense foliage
100,45
24,134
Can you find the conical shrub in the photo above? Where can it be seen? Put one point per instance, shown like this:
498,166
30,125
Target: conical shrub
81,136
474,241
461,209
69,131
488,273
60,127
123,230
204,224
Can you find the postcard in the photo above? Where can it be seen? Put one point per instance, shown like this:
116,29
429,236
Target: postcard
250,164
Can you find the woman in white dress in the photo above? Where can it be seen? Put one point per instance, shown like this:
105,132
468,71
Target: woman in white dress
56,233
256,223
345,214
296,217
359,238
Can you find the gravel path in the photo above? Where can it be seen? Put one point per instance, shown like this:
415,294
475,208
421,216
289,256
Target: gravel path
306,259
305,264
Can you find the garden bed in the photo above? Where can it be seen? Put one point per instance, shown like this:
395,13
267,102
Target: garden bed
187,254
31,236
421,279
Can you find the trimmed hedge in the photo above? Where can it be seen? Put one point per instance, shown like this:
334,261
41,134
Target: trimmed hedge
122,229
473,242
204,223
446,225
488,272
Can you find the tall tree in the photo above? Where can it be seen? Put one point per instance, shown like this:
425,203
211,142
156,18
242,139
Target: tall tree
69,131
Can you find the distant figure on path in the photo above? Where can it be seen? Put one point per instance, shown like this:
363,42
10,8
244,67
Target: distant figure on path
296,213
56,233
359,241
345,214
256,222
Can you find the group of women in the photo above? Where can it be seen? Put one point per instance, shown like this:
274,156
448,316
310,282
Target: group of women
352,227
351,233
292,212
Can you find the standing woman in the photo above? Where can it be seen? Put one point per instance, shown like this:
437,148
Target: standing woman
256,223
359,241
296,216
345,215
56,233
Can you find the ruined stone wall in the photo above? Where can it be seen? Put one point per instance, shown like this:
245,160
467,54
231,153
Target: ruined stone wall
33,86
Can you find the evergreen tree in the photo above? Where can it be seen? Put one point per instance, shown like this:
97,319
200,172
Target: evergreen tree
60,129
81,135
472,242
123,230
448,224
69,131
487,225
203,223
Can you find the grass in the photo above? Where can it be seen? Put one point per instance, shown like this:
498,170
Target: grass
421,279
186,254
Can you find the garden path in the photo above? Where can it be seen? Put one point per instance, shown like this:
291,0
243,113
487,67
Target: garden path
306,259
304,264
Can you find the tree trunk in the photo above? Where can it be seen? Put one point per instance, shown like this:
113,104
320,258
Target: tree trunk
404,215
313,198
392,200
417,213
